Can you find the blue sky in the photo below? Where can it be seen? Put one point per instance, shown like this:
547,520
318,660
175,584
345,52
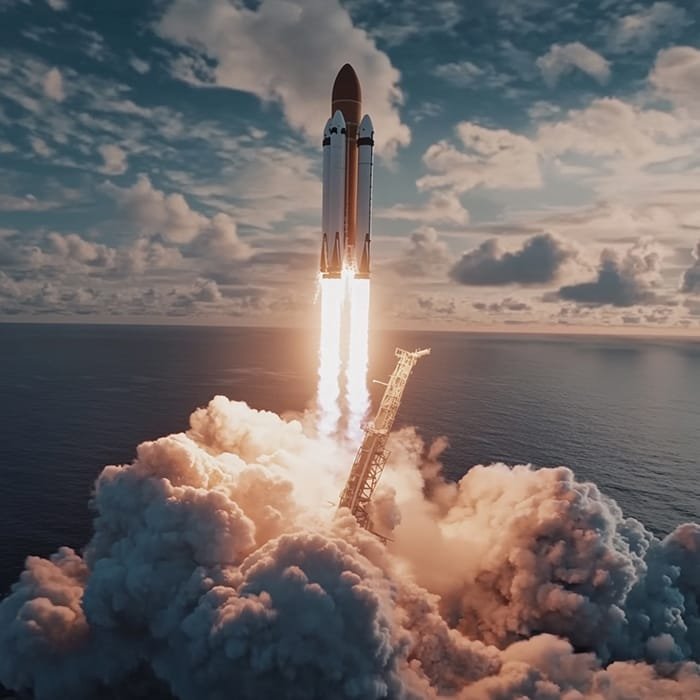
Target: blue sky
537,161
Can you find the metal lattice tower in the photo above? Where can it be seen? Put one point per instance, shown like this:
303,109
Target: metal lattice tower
372,455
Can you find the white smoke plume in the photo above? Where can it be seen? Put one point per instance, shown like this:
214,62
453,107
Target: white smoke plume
218,570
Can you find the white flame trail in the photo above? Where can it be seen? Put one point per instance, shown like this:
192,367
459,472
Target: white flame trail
329,356
358,358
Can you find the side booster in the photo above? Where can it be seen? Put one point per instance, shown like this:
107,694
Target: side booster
347,181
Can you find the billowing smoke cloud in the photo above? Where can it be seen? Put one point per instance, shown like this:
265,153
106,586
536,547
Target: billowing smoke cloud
537,262
216,569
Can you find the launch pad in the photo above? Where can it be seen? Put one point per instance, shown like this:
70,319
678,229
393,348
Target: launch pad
372,455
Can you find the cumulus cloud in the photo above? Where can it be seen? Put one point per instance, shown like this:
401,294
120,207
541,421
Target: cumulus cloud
490,158
620,281
152,211
442,207
638,30
71,247
256,50
612,128
114,159
537,262
676,75
57,5
53,85
562,59
219,240
216,563
690,281
425,255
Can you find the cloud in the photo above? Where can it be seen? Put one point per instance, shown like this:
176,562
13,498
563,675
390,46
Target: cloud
114,159
490,158
509,304
207,291
441,208
67,274
464,74
399,23
256,51
620,282
152,211
27,203
436,307
460,73
170,216
638,30
40,147
612,128
58,5
562,59
676,75
53,85
67,256
426,255
139,65
216,562
73,248
690,281
537,262
219,241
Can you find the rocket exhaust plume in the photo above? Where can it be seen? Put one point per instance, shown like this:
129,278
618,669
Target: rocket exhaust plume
216,569
348,144
329,356
358,358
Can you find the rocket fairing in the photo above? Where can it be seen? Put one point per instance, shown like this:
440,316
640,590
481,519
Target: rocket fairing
348,144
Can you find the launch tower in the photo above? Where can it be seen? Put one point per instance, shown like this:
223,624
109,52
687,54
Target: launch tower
372,455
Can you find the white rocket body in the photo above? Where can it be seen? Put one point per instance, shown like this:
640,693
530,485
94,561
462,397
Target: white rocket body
336,193
365,147
337,247
325,212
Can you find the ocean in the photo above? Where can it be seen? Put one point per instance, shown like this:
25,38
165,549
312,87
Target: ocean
621,412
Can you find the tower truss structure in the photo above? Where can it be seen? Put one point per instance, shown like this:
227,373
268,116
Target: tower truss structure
372,455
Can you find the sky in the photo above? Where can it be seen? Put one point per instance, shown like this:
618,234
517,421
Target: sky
537,161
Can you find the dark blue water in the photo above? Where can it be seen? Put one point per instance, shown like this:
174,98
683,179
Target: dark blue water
624,413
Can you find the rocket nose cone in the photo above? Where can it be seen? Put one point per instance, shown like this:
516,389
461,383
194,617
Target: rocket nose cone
366,127
346,85
338,120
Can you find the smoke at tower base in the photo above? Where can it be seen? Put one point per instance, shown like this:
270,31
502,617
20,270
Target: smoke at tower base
216,570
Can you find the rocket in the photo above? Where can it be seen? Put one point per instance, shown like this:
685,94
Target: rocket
348,144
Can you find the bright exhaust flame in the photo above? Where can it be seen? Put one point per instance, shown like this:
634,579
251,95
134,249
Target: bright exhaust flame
358,358
329,356
343,398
